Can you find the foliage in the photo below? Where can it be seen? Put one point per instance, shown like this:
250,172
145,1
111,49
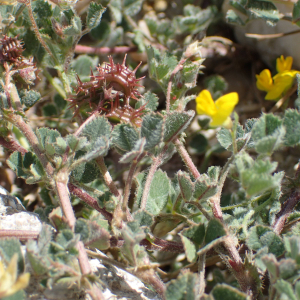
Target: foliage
242,215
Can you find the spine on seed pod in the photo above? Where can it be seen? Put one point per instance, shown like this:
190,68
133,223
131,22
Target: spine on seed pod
109,92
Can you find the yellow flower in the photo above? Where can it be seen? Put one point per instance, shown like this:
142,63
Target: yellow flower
9,282
277,86
220,110
282,83
283,64
264,81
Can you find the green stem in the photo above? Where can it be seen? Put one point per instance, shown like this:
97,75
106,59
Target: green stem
57,87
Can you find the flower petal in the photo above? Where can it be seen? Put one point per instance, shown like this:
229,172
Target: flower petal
205,104
20,284
225,106
264,81
282,83
284,64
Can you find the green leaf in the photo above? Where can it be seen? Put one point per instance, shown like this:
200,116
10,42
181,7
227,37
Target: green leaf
271,263
265,10
86,172
150,100
189,249
124,137
198,144
260,236
27,167
160,65
182,288
83,64
115,8
292,246
44,239
92,234
297,289
214,230
176,123
46,136
296,14
94,15
256,176
132,7
233,18
152,130
159,193
142,218
38,251
195,233
195,19
76,143
287,268
285,288
268,134
291,122
137,150
226,292
98,134
29,97
98,148
8,247
224,137
186,185
204,187
74,28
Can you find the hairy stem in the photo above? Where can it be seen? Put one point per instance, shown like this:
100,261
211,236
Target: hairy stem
12,145
63,195
26,130
169,89
186,159
76,191
36,30
285,211
19,234
104,50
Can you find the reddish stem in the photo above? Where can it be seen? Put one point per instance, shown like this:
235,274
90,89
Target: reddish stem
169,89
76,191
12,145
20,234
63,195
285,211
104,50
163,245
186,158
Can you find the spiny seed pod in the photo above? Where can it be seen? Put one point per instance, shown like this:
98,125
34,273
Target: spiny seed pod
109,92
11,49
125,113
120,78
